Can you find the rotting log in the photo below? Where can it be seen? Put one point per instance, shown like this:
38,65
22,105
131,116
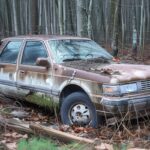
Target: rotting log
22,126
32,128
65,137
17,125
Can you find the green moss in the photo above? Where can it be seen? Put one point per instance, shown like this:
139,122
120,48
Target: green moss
36,144
42,100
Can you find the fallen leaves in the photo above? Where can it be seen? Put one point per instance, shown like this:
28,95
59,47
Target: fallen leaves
77,129
107,134
37,117
10,139
13,136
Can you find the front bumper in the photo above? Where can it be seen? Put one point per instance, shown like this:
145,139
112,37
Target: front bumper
120,105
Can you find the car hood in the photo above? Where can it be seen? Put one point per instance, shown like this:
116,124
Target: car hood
125,72
115,73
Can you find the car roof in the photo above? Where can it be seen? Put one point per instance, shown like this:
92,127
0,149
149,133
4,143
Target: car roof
44,37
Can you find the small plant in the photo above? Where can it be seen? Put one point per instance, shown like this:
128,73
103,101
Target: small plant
36,144
46,144
75,146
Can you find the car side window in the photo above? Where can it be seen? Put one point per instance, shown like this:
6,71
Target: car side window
10,53
32,51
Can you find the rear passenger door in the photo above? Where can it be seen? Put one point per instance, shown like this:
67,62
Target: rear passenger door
33,79
8,67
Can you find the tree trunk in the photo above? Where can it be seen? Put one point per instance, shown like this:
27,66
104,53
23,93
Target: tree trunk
115,29
34,16
60,12
46,18
81,18
89,19
40,17
15,17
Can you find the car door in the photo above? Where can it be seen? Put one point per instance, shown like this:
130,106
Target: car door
8,66
34,82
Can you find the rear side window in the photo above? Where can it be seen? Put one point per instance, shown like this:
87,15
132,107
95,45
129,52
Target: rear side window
10,52
32,51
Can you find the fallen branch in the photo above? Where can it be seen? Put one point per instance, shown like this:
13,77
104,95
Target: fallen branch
132,135
65,137
15,124
35,128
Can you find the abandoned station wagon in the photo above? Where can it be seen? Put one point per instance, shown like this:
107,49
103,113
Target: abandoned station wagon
74,73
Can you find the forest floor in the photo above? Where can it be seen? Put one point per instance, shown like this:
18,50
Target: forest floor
123,134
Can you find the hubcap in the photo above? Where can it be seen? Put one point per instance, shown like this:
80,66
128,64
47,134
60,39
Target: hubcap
80,114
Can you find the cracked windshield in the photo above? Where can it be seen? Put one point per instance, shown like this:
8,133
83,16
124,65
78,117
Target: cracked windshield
70,50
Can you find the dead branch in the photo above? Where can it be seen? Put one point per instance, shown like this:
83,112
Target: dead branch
34,128
65,137
15,124
132,135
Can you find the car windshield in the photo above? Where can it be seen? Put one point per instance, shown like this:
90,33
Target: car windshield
77,49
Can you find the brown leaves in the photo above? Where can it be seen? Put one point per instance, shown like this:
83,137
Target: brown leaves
13,136
139,134
82,129
37,117
10,139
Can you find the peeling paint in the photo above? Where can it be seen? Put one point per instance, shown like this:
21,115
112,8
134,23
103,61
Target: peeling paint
45,86
42,100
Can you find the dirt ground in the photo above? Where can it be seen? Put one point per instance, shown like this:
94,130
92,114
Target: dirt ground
132,133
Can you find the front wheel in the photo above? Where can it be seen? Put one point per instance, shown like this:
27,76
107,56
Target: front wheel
78,109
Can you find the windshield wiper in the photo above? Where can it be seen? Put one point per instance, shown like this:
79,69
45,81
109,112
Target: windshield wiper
74,57
100,59
71,59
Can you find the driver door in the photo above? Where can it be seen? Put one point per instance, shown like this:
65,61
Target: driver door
33,80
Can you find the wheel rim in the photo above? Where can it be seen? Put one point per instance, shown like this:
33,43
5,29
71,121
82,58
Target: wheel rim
80,114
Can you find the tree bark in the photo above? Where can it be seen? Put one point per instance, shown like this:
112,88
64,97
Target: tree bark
81,18
89,19
115,29
141,26
15,17
60,12
46,18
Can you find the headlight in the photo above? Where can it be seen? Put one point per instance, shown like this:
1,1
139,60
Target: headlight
119,89
128,88
111,89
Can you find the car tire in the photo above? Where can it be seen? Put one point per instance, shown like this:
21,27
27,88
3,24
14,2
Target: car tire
78,109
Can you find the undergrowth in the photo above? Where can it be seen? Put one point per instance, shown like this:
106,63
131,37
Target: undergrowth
46,144
36,144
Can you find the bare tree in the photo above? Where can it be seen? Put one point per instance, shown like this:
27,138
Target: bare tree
60,10
81,18
15,17
116,29
89,19
105,21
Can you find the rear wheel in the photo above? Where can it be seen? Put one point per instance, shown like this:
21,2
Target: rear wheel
78,109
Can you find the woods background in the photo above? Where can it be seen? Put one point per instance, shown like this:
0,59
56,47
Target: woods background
101,20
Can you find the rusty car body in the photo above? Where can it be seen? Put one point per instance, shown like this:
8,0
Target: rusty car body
73,73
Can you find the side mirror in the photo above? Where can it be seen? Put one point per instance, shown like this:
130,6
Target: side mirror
44,62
